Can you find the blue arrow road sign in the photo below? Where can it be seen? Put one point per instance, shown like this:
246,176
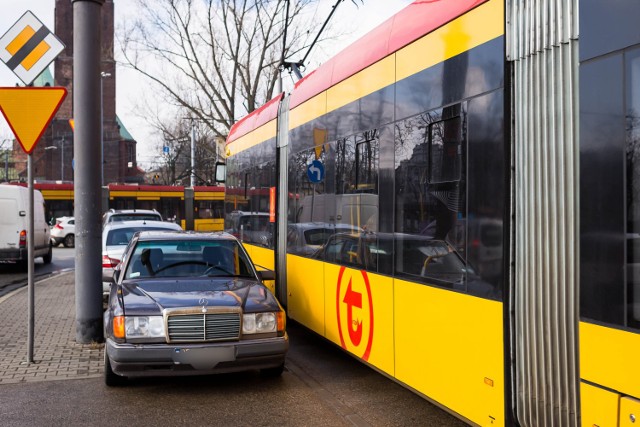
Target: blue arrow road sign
315,171
165,149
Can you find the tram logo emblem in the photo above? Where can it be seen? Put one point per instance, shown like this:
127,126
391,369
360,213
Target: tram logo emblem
354,307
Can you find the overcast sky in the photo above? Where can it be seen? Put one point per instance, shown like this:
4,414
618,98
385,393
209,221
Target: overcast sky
367,15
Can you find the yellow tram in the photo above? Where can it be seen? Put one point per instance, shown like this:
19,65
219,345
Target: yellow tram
453,201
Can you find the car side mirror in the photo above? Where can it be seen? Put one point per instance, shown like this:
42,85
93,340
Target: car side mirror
266,275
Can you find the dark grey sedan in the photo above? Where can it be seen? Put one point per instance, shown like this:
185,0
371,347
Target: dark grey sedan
191,303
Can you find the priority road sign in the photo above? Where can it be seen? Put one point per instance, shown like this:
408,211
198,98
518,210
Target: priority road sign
28,47
29,110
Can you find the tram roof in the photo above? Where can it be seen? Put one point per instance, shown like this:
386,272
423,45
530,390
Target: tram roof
411,23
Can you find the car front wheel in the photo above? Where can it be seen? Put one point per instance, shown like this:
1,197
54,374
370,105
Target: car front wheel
111,378
69,241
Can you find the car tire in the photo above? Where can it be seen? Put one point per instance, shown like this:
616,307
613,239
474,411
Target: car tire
69,241
272,372
49,256
111,379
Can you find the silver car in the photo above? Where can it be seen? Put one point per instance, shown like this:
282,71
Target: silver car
115,238
191,303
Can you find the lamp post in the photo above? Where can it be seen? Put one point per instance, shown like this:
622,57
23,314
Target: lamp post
103,75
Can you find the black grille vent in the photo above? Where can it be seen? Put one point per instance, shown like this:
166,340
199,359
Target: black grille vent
204,327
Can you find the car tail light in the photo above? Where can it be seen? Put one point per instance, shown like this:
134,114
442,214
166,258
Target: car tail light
23,239
109,262
59,227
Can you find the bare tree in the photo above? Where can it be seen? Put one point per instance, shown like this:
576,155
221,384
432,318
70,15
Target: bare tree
206,56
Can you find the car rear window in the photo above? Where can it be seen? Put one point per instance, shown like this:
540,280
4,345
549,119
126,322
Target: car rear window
135,217
122,236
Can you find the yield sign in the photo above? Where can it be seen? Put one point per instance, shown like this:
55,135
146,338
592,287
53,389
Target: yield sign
29,110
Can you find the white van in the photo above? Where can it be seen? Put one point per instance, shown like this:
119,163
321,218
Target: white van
14,224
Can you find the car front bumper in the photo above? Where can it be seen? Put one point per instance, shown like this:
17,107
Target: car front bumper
139,360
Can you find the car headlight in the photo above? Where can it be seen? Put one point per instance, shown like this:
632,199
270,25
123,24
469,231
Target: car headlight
144,326
259,323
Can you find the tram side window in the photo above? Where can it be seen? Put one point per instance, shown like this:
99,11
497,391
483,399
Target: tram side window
633,188
430,195
206,209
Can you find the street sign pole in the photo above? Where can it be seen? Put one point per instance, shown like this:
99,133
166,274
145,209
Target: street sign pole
30,257
27,48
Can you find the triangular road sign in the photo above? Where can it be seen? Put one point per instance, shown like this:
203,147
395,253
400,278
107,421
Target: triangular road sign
29,110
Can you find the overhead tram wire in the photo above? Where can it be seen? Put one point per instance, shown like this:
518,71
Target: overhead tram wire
295,66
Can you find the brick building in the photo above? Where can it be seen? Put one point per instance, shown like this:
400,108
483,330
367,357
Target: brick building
53,154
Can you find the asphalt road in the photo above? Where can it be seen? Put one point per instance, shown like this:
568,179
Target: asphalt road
321,386
11,277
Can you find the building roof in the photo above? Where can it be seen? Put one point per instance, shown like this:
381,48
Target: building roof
44,79
124,133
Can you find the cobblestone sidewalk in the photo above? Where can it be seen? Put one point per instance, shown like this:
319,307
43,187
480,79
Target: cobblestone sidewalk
56,354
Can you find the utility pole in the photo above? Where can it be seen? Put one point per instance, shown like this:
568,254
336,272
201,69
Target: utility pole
87,22
193,153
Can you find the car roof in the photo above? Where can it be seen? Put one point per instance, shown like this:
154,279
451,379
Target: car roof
142,223
130,211
246,213
323,225
186,235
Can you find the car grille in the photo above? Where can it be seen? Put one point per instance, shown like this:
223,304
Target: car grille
203,327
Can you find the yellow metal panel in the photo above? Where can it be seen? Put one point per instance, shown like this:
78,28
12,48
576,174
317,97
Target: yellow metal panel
209,195
365,82
609,357
449,346
262,257
484,23
57,194
359,314
208,224
21,39
629,412
307,111
305,292
257,136
599,407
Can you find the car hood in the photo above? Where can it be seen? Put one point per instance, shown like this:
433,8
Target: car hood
143,297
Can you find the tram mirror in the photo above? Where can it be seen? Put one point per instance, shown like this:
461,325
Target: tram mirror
221,172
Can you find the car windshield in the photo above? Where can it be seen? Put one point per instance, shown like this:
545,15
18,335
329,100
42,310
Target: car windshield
192,258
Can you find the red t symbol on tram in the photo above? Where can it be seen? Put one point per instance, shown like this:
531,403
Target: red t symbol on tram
352,299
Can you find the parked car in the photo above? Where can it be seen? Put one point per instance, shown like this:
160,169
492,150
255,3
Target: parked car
117,215
415,256
64,232
186,303
14,205
116,237
305,238
251,227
